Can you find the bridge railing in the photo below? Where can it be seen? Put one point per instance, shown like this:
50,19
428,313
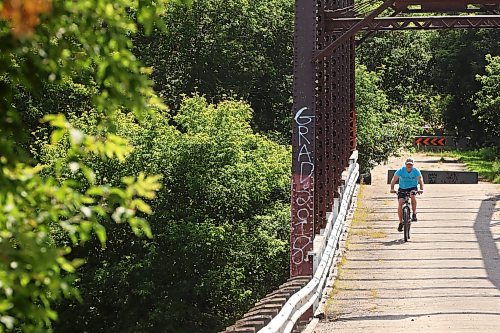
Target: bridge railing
325,247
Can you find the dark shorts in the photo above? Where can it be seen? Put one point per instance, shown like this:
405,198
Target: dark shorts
402,191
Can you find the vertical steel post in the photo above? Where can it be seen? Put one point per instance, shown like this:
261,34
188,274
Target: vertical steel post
321,123
303,140
353,96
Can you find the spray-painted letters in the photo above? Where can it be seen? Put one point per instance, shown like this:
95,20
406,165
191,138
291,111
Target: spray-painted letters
303,188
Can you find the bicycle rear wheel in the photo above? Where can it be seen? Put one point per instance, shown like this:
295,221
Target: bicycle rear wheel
406,223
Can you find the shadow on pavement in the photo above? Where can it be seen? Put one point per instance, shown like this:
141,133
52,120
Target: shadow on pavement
487,245
394,242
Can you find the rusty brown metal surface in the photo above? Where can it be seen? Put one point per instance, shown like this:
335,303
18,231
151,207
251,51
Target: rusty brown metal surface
346,22
444,5
352,100
323,124
417,23
321,128
353,29
268,307
335,108
303,140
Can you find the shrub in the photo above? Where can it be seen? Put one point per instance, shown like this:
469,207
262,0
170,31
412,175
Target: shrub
220,224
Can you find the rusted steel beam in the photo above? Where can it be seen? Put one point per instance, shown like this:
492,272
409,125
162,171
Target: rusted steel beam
352,97
322,78
353,30
416,23
473,10
334,105
367,34
444,5
303,140
323,124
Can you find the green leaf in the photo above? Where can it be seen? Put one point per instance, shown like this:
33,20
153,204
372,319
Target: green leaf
57,136
101,233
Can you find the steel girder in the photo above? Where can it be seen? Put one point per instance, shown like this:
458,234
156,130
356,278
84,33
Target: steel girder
324,124
442,6
415,23
338,20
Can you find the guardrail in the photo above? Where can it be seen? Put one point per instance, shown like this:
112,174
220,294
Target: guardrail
325,246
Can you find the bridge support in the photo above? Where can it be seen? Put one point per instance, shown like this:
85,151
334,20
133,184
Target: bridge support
324,125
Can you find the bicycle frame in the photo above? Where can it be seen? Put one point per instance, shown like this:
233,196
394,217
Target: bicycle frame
406,212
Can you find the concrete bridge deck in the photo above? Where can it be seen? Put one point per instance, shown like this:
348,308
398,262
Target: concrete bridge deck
446,279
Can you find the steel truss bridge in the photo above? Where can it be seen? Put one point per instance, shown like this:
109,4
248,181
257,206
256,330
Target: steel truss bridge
324,129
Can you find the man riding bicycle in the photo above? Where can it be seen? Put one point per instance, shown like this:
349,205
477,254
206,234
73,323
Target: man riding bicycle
409,177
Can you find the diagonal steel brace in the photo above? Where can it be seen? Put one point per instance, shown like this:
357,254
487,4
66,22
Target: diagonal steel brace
352,31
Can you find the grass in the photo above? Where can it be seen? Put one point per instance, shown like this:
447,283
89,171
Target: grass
483,161
361,219
369,232
330,311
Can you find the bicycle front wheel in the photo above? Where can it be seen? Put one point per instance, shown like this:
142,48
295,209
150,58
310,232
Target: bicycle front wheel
406,223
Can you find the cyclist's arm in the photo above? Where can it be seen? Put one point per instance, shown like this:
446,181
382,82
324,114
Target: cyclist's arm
421,182
393,182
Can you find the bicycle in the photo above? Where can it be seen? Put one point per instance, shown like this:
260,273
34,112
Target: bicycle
406,212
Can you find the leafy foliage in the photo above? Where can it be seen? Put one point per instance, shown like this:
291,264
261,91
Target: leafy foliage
488,98
381,131
458,57
434,74
220,224
404,60
53,41
222,48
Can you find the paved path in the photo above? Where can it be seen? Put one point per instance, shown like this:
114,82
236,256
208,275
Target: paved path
446,279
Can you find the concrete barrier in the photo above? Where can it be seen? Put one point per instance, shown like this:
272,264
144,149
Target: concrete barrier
443,177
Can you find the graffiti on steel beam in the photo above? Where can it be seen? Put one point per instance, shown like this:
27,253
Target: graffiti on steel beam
305,187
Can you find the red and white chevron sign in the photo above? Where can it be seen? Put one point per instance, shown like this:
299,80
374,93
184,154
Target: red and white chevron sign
430,140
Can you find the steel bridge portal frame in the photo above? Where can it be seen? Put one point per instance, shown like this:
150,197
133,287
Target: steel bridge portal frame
324,114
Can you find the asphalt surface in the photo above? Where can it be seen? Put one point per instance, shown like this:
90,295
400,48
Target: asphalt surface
445,279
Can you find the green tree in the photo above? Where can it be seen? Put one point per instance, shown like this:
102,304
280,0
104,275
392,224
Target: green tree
382,129
225,48
404,60
487,100
53,41
458,56
220,223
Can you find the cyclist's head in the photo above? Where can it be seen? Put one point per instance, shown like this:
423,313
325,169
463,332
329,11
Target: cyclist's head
409,163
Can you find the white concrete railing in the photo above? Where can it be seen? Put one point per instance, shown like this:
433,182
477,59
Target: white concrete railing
322,255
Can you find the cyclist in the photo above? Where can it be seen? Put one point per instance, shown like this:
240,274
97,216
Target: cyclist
409,177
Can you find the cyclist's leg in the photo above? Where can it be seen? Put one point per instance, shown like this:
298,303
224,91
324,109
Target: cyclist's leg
400,214
400,209
414,203
414,207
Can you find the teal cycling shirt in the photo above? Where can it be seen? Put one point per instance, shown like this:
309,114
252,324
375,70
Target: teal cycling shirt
408,179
